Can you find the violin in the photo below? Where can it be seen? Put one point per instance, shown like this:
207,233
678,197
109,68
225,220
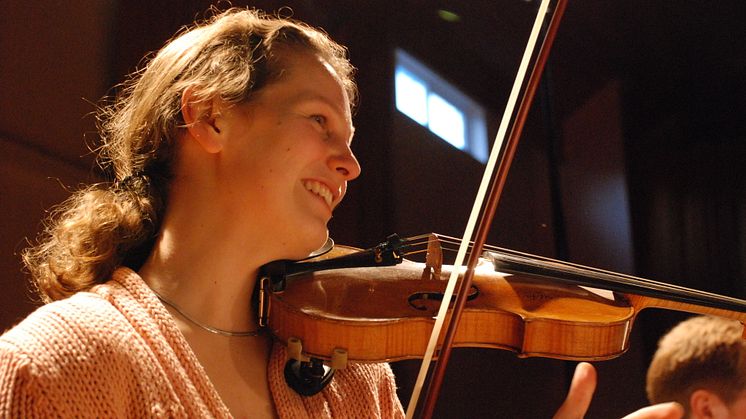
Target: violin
374,305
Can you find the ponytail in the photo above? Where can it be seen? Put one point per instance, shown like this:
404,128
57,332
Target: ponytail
89,235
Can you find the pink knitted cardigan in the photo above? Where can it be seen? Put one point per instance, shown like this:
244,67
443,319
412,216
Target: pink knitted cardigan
116,352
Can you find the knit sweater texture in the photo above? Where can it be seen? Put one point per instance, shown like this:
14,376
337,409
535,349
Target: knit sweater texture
116,352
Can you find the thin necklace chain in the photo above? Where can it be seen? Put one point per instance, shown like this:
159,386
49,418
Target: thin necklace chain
250,333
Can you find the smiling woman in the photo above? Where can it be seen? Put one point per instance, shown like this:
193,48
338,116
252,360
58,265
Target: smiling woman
220,163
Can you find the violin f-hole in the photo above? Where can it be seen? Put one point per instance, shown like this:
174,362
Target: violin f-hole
437,296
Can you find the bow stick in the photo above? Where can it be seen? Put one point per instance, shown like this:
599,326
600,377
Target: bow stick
485,219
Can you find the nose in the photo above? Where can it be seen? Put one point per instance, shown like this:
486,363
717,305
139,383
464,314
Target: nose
346,164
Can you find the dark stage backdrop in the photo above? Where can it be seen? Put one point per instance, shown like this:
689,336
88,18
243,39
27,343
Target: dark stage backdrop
632,158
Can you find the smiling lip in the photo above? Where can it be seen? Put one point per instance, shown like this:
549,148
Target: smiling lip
321,190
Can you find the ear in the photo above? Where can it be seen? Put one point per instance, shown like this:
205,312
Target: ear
707,405
200,118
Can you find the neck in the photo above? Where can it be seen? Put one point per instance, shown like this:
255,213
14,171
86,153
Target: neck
209,251
211,280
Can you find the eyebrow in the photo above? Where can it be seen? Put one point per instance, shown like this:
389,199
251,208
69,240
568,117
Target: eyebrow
313,97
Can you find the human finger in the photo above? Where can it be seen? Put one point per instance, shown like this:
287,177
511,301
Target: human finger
580,394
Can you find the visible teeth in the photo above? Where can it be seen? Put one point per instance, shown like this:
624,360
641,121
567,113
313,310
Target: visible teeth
319,189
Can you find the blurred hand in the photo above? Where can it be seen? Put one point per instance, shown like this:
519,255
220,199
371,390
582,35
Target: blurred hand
581,392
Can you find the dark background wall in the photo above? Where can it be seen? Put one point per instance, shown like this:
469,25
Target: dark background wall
632,159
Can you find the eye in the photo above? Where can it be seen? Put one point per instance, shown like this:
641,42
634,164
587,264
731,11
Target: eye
319,119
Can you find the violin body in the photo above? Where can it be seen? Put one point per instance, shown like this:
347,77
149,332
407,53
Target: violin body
387,314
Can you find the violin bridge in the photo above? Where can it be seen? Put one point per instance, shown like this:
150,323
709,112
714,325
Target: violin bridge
434,258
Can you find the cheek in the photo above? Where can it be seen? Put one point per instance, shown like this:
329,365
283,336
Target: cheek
342,195
738,407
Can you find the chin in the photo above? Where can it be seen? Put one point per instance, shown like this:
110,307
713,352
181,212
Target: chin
308,245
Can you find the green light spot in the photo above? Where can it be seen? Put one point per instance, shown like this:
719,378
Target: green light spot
448,16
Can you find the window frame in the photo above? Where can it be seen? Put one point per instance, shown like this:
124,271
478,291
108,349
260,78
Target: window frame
475,135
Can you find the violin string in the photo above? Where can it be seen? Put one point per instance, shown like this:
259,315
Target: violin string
416,252
535,261
534,258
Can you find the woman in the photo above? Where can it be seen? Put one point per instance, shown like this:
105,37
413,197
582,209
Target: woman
229,150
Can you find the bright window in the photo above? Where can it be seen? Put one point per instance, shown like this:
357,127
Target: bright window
411,97
434,103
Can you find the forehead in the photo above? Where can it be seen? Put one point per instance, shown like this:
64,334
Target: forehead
311,78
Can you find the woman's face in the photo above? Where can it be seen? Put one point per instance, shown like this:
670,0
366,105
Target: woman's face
287,162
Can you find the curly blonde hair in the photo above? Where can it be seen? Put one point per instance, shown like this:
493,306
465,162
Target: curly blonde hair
702,352
228,56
